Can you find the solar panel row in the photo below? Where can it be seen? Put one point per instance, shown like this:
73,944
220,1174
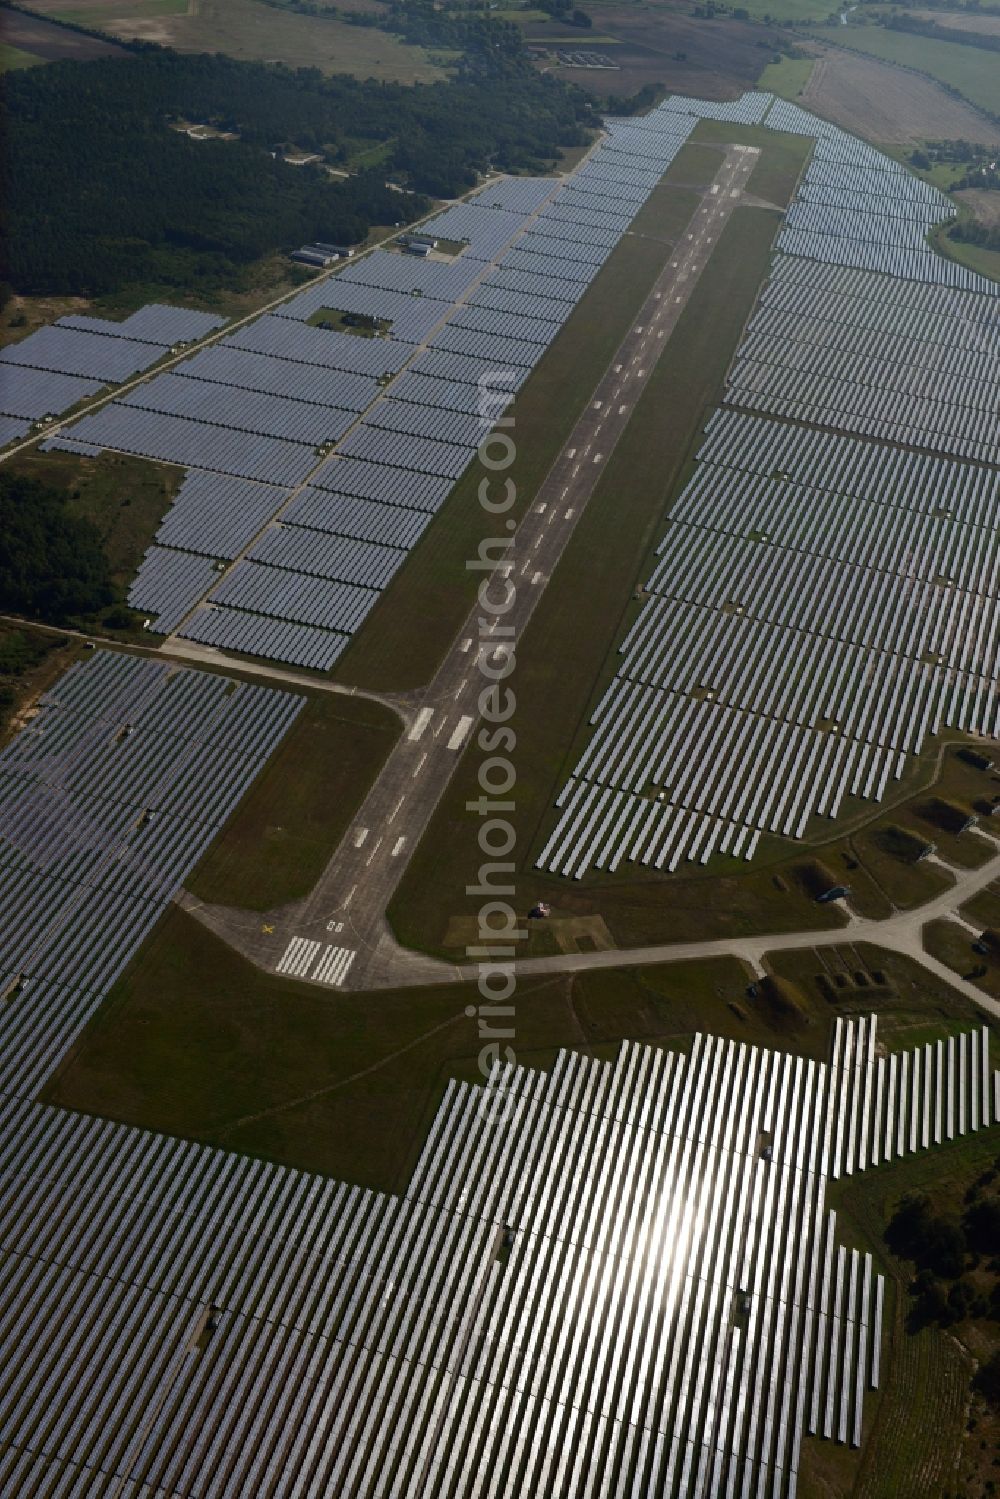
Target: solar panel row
107,798
796,648
169,584
218,516
250,411
239,409
239,1354
261,635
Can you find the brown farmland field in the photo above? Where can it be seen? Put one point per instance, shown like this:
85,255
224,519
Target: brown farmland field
890,105
720,58
50,41
253,32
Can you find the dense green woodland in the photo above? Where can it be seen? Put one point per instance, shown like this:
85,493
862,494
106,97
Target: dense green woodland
100,193
52,564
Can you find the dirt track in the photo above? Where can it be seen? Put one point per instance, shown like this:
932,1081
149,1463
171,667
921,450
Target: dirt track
889,105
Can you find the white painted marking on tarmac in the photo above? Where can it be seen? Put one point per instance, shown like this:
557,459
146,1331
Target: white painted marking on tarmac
466,644
640,373
420,723
571,452
568,515
541,508
714,188
375,849
597,457
618,369
350,897
419,766
297,957
622,410
392,814
598,405
332,965
360,837
397,847
460,732
537,578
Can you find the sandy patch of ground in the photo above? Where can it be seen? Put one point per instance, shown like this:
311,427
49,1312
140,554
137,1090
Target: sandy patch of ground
889,105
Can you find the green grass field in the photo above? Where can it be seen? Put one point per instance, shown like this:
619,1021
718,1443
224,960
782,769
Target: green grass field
195,1041
972,72
97,15
985,262
280,837
951,943
790,10
782,157
788,77
256,32
125,498
15,57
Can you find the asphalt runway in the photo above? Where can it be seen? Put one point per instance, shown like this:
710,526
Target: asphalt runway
339,935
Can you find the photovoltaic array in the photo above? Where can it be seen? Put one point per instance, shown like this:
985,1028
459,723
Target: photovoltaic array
76,357
355,442
107,799
826,593
620,1276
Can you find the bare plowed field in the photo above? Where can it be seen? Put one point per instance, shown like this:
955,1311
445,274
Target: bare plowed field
889,105
715,59
976,22
54,43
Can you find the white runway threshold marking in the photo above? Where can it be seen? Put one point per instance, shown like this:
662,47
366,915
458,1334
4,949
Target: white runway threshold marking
420,723
332,967
298,956
360,837
460,732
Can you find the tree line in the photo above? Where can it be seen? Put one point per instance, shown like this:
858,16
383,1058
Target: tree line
53,567
99,192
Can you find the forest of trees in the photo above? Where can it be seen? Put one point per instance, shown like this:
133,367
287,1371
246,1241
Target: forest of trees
957,1259
99,192
52,565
